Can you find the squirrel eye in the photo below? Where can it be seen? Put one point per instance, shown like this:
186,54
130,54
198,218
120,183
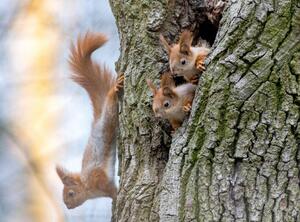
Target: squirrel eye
183,62
71,193
166,104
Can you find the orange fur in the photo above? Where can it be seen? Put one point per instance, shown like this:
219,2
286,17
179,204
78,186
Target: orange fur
96,178
89,74
167,80
169,100
183,56
185,43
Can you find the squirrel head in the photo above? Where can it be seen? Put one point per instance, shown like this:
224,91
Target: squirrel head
165,97
181,57
74,193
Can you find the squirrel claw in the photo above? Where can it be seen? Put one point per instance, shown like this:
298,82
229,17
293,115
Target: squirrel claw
120,83
187,108
194,80
200,66
200,63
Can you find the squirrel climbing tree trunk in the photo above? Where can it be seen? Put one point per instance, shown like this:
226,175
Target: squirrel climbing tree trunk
237,156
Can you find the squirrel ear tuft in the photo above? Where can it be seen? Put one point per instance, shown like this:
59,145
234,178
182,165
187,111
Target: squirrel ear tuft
66,177
167,91
60,171
165,43
167,80
151,86
185,42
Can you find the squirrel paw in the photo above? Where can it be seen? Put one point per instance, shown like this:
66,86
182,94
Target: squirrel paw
194,80
200,64
120,83
187,108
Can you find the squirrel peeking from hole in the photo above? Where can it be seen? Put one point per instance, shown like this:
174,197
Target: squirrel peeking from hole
184,59
173,102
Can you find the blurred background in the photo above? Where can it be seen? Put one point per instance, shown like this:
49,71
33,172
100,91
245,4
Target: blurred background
45,118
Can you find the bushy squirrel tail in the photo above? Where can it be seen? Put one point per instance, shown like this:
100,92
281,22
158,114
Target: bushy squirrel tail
95,79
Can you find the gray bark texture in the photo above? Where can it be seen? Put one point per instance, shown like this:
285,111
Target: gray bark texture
237,156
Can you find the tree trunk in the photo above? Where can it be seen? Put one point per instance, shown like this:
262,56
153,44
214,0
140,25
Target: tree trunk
237,157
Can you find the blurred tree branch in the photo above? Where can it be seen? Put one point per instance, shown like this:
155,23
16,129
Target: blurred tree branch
16,8
31,165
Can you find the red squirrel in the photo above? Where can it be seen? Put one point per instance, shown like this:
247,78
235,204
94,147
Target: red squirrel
171,102
184,59
96,178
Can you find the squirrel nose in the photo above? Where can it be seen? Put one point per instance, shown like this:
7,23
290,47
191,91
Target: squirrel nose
157,114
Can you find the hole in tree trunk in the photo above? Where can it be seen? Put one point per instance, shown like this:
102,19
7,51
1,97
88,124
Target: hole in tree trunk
206,31
208,18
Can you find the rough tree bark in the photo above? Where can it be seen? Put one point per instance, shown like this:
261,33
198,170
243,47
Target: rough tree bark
237,157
